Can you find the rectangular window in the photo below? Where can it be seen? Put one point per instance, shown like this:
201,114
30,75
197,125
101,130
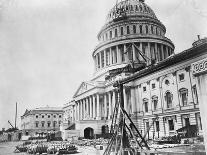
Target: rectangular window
155,104
48,124
144,89
157,126
168,99
146,106
147,126
184,98
181,77
36,124
171,125
153,86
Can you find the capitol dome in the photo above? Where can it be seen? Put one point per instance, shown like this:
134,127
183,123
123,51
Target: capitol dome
131,8
131,33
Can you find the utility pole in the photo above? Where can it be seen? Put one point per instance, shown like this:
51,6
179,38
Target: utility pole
16,117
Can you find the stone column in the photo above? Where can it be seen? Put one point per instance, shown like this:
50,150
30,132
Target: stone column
110,55
105,105
98,107
94,107
148,53
84,108
100,59
81,109
125,54
113,100
118,55
110,105
76,110
162,52
133,98
167,53
156,53
87,107
96,61
91,109
105,58
134,53
140,48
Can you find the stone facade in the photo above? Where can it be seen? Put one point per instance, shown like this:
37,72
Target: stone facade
41,120
165,87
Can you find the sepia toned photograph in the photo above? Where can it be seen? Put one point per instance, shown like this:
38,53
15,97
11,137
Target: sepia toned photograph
103,77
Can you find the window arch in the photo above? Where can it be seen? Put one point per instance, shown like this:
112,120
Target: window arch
183,96
168,99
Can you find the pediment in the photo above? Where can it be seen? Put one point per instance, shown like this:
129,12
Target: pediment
84,87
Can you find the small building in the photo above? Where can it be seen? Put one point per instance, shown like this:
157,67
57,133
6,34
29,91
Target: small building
40,121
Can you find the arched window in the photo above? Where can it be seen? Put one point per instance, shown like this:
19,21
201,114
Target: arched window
116,34
184,96
134,29
122,31
140,28
168,99
48,124
136,8
156,31
151,29
132,9
155,102
140,7
128,30
110,34
146,29
195,93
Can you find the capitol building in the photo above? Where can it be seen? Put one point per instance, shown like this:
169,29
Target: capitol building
162,91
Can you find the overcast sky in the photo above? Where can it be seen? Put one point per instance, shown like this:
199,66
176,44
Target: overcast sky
46,46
